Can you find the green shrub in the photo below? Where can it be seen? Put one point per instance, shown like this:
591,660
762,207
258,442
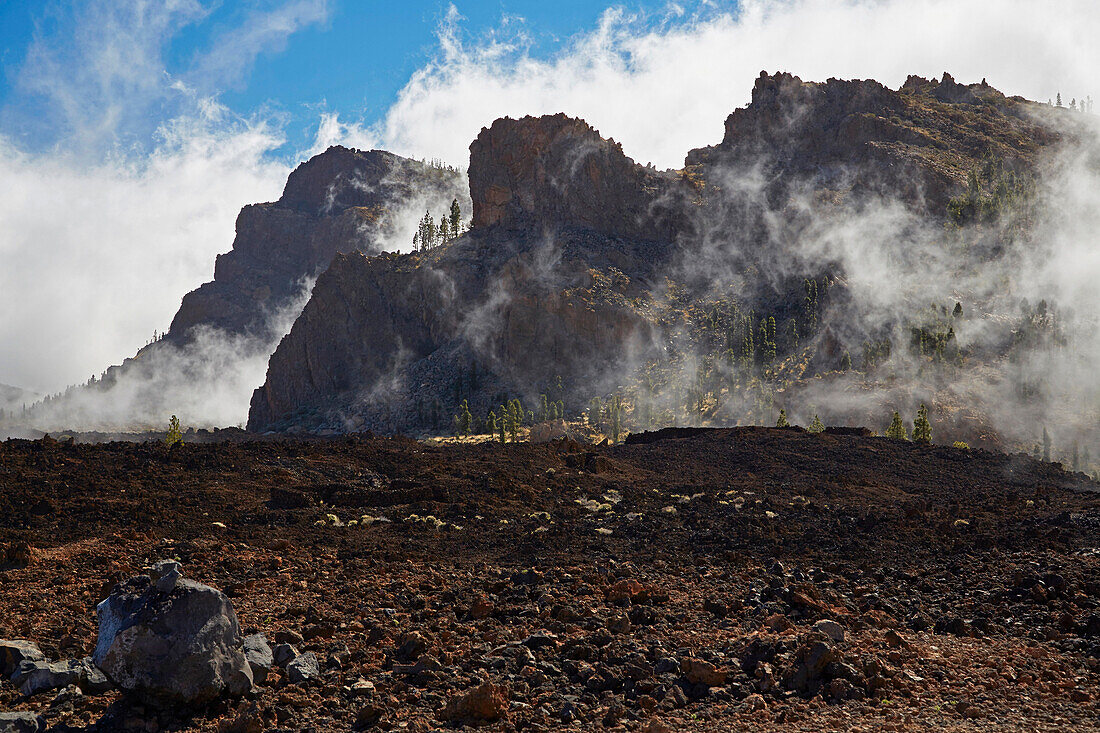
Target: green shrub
175,432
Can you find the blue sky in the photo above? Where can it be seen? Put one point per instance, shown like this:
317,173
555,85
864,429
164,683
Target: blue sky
350,56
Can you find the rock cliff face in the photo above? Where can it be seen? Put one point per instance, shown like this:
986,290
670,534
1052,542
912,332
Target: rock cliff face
569,270
547,285
918,143
339,201
393,342
555,170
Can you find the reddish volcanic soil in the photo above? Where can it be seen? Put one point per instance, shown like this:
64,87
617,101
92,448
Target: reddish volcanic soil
672,583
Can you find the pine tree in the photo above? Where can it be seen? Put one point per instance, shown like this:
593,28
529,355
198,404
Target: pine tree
922,428
456,218
463,420
897,428
767,329
958,312
175,432
1046,445
1058,100
491,423
846,362
615,417
544,408
595,407
444,230
782,422
816,426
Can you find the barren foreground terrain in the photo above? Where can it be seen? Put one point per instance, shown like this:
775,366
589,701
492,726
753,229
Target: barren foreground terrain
674,583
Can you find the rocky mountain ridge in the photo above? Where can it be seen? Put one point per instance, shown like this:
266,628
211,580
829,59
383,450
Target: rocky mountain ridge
339,201
576,264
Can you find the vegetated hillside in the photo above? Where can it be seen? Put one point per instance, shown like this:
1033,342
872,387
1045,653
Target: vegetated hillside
679,580
812,260
339,201
13,399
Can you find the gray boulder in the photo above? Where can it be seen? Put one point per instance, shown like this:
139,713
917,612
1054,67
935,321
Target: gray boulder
284,654
34,677
14,651
20,722
303,669
92,680
831,629
165,574
181,647
260,658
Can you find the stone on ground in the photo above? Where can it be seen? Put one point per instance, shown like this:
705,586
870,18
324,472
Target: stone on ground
20,722
14,651
181,647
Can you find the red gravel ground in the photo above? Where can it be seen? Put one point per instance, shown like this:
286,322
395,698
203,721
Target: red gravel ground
672,583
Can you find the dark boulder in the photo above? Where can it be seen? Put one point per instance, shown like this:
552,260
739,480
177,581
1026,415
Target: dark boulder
260,658
181,647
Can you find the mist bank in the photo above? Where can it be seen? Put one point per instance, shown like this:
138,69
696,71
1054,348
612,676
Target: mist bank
204,368
846,250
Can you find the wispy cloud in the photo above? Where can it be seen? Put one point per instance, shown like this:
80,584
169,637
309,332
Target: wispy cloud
663,85
135,182
263,31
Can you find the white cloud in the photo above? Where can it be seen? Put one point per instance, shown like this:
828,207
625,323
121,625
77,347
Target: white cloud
97,257
666,89
233,53
135,180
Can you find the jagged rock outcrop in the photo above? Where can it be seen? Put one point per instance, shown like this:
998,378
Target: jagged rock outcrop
551,283
556,171
392,342
918,143
584,265
342,200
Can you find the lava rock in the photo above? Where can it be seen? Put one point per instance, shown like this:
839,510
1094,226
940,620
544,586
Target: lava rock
92,680
33,677
303,669
166,574
486,702
284,654
699,672
182,647
66,698
259,656
831,629
540,641
20,722
15,651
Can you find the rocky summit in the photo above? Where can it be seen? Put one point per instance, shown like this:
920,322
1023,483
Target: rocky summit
585,274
